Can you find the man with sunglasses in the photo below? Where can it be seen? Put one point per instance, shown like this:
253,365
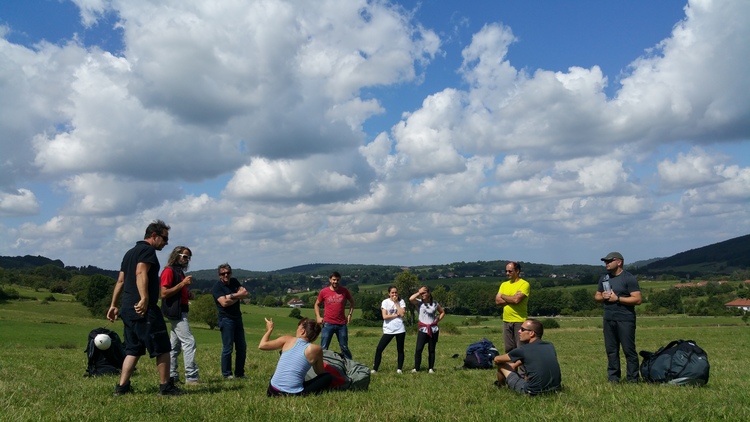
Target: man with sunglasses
228,292
537,356
513,295
175,305
619,294
138,284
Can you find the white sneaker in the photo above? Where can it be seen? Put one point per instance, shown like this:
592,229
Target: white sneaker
431,371
373,371
398,371
414,371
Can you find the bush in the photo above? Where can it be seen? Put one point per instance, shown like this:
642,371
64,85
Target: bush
548,323
203,309
295,313
449,328
9,294
359,322
474,321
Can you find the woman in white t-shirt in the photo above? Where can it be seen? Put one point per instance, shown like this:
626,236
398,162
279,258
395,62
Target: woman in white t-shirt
393,326
430,314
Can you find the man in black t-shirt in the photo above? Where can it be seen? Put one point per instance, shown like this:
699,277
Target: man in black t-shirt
227,293
619,294
538,357
138,284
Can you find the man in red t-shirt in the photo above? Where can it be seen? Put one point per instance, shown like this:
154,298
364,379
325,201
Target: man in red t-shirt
334,300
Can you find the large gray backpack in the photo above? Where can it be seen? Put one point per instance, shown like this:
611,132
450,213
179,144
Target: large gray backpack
348,374
681,362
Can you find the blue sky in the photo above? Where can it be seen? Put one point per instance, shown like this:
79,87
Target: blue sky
279,133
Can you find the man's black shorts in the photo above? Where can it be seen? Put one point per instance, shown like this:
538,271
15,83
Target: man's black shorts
147,332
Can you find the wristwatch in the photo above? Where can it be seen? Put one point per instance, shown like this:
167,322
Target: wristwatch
618,300
231,297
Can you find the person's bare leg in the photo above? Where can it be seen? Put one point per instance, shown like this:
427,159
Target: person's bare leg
162,365
128,366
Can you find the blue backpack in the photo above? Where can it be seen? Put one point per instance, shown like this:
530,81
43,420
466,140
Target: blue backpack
480,355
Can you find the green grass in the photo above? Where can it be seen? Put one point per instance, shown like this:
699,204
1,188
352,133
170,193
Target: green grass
42,365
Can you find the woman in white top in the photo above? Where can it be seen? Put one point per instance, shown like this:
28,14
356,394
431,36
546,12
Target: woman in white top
393,326
298,355
430,314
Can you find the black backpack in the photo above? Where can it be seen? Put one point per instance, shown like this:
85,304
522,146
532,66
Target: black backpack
104,362
681,362
480,355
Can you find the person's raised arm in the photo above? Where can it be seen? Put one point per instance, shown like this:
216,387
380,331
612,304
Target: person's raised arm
266,343
413,298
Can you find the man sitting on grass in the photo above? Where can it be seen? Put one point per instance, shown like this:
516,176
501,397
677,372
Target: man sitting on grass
537,356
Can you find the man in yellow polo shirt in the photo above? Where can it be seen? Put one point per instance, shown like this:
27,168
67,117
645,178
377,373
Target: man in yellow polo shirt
513,295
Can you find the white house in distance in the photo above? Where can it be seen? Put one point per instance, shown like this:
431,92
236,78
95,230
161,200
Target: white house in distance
742,304
296,303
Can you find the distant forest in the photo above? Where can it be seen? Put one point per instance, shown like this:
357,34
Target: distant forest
465,288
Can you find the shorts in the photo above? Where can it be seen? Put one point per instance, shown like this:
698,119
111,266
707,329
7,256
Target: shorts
517,383
147,332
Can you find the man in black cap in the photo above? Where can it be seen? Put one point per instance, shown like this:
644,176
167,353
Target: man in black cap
619,293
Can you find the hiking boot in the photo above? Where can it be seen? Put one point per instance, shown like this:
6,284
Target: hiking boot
121,390
169,389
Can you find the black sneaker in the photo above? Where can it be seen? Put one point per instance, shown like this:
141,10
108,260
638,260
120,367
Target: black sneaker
169,389
121,390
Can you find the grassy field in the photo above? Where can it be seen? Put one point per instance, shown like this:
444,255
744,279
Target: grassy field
42,365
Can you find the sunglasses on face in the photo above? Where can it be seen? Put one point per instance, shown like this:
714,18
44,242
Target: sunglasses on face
185,256
225,274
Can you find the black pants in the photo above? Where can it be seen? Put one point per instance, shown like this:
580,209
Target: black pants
422,339
384,341
620,334
314,386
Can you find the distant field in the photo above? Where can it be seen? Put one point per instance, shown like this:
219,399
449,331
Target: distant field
42,363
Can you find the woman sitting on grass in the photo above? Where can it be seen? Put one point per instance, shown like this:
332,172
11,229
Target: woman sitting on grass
298,355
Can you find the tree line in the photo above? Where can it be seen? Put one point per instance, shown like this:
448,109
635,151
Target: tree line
464,297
